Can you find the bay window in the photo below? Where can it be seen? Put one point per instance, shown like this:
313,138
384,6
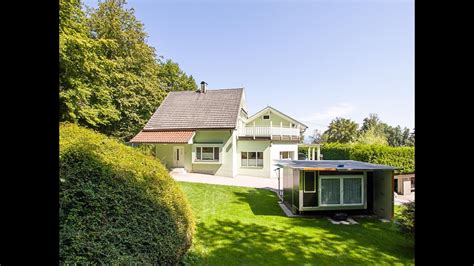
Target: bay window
207,154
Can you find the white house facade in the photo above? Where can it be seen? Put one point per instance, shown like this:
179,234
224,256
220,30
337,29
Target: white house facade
210,131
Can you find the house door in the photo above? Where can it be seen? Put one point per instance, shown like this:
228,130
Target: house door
178,156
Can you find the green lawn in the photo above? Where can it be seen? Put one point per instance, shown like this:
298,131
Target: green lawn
245,226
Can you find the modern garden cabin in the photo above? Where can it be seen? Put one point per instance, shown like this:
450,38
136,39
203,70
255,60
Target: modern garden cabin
337,185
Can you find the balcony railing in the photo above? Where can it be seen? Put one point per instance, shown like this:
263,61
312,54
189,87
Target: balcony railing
268,131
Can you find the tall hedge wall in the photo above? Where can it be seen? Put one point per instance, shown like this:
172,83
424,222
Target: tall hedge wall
117,205
403,157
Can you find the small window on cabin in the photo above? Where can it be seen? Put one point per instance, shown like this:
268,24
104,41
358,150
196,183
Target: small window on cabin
309,182
266,117
216,153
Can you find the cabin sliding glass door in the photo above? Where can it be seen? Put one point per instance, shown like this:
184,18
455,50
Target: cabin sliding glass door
341,190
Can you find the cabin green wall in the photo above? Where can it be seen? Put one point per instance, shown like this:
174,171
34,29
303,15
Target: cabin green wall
383,194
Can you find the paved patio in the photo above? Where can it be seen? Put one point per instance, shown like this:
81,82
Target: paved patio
241,181
400,199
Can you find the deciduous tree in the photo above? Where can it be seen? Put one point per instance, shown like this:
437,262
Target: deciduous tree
341,130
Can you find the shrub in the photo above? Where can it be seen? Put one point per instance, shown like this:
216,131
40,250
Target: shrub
406,218
117,205
402,157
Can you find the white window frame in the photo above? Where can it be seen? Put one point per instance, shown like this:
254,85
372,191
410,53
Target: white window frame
290,155
304,182
341,189
256,160
196,160
263,117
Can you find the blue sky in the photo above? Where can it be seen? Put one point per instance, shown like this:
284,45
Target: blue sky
313,60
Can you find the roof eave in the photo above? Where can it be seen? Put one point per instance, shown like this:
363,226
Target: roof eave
185,129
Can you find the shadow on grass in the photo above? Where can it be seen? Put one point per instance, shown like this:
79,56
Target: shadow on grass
236,243
261,202
295,240
227,242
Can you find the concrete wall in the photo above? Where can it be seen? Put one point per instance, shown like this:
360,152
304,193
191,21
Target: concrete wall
225,138
383,194
403,185
276,148
255,146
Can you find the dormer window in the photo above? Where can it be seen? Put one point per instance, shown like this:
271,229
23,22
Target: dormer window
266,117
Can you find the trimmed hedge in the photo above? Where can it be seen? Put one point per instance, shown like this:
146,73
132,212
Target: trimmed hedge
117,205
403,157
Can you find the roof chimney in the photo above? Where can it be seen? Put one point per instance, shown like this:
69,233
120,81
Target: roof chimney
203,87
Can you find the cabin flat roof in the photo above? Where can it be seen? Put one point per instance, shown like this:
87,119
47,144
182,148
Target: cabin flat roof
332,165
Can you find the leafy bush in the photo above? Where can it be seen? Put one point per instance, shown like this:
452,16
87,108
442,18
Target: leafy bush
402,157
148,149
406,218
117,205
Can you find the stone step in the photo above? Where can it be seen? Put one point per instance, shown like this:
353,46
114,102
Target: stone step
178,170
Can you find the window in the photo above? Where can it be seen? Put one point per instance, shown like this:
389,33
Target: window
352,190
243,159
330,191
207,153
286,155
309,182
259,158
341,190
266,117
251,159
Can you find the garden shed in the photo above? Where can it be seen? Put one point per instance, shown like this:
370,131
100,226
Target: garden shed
337,185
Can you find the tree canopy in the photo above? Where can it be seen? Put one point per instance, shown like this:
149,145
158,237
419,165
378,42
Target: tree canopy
341,130
372,131
110,79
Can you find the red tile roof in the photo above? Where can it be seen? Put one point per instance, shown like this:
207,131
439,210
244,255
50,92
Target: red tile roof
163,137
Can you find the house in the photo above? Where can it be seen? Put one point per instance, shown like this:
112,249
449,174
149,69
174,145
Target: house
404,184
210,131
338,185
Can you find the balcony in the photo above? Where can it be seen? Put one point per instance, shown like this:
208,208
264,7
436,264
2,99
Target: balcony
278,133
